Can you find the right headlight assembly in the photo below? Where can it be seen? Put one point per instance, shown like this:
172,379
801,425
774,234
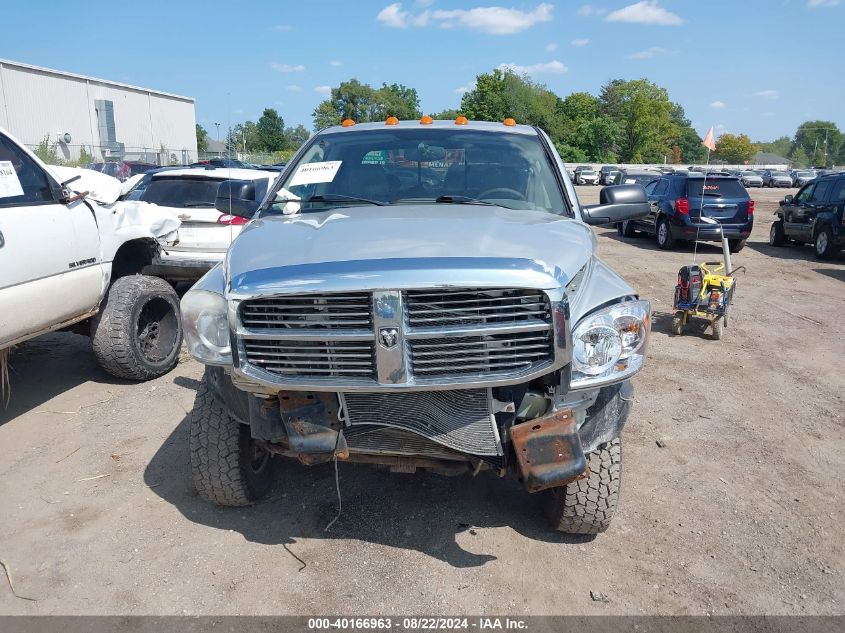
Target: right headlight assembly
206,327
609,345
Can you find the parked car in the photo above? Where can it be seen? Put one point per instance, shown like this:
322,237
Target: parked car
605,173
814,215
801,177
750,178
459,327
117,169
73,256
221,162
586,176
774,178
137,167
678,202
137,184
634,177
205,233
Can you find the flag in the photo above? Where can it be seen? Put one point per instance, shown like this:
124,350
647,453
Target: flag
708,141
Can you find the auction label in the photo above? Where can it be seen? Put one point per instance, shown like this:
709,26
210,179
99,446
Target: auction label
9,184
313,173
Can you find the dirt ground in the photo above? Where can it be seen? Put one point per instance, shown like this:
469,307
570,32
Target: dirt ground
740,512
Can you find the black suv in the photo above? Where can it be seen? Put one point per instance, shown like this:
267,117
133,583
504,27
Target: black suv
678,201
814,215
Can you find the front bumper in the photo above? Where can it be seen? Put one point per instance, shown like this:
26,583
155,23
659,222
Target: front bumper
183,265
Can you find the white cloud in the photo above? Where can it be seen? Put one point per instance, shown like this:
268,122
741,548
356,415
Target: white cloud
281,27
815,4
287,68
648,53
465,88
583,41
492,20
770,94
553,67
550,48
587,10
336,63
323,90
718,105
295,88
645,12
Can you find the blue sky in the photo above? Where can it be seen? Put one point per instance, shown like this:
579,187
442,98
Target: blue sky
754,66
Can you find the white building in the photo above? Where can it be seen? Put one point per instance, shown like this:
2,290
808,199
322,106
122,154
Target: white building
107,119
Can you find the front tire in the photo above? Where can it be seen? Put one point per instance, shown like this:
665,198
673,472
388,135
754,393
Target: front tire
664,235
229,468
736,245
717,326
678,323
138,332
586,506
776,235
823,244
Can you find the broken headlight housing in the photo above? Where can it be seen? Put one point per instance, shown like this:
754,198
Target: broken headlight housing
609,345
206,327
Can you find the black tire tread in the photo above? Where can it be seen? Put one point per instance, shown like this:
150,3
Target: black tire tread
113,327
586,506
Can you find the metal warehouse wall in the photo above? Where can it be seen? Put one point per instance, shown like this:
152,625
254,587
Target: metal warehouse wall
36,102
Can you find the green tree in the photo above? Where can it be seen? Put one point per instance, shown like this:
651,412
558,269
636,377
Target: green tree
296,136
781,146
644,114
487,100
598,137
399,101
361,103
46,150
571,154
446,115
800,158
271,131
575,111
243,137
202,139
325,115
735,149
820,140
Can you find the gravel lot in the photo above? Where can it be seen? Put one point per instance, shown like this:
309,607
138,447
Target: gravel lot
741,511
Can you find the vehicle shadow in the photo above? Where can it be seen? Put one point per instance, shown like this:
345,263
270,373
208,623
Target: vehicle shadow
661,323
790,251
648,243
44,367
424,512
834,273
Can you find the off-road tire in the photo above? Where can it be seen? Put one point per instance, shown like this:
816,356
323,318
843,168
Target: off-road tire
221,447
736,245
668,242
626,229
678,323
823,245
776,235
717,327
129,339
586,506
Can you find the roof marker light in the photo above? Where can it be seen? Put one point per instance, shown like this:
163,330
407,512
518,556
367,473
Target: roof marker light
347,123
461,120
426,120
392,120
509,122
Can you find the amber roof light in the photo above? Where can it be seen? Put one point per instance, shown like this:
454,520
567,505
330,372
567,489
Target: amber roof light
461,120
347,123
426,120
392,120
509,122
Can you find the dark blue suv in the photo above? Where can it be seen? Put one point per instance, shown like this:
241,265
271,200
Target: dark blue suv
678,201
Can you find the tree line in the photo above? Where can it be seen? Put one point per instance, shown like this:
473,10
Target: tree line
629,121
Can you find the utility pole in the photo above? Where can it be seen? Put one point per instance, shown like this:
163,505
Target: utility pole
217,125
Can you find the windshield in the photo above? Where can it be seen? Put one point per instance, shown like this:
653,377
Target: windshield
750,173
182,192
805,173
716,187
588,171
637,179
780,173
410,166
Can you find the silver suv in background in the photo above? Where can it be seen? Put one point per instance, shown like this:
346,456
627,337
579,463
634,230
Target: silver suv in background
421,295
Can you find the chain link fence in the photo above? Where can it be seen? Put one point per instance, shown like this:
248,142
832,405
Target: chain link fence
54,153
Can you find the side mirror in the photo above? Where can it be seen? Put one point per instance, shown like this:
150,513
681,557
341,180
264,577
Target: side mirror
787,199
616,204
236,197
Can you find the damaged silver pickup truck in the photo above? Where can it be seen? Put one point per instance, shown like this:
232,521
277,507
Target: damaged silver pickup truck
420,294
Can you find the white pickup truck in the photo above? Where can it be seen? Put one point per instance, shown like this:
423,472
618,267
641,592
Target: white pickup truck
71,255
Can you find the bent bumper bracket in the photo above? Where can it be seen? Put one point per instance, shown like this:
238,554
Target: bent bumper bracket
549,451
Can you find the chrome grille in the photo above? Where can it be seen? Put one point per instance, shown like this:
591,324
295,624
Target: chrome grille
430,308
312,358
352,310
459,419
480,354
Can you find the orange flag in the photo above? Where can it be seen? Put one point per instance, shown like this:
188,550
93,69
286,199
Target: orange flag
708,141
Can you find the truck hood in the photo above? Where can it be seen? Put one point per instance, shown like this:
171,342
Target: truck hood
406,246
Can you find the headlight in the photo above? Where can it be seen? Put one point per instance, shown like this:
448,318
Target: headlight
206,326
609,344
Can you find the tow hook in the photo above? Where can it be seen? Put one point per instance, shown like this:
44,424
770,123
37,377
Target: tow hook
549,451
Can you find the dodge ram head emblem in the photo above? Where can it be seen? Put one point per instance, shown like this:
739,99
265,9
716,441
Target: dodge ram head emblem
388,336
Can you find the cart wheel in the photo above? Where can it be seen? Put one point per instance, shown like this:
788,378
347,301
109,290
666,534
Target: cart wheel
725,315
718,324
678,323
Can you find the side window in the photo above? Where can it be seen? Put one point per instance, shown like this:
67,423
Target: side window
822,189
805,194
28,177
649,188
838,196
661,186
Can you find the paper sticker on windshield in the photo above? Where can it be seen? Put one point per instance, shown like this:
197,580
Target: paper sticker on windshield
630,181
312,173
9,184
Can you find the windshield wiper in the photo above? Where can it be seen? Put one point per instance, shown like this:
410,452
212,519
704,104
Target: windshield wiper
463,200
336,197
